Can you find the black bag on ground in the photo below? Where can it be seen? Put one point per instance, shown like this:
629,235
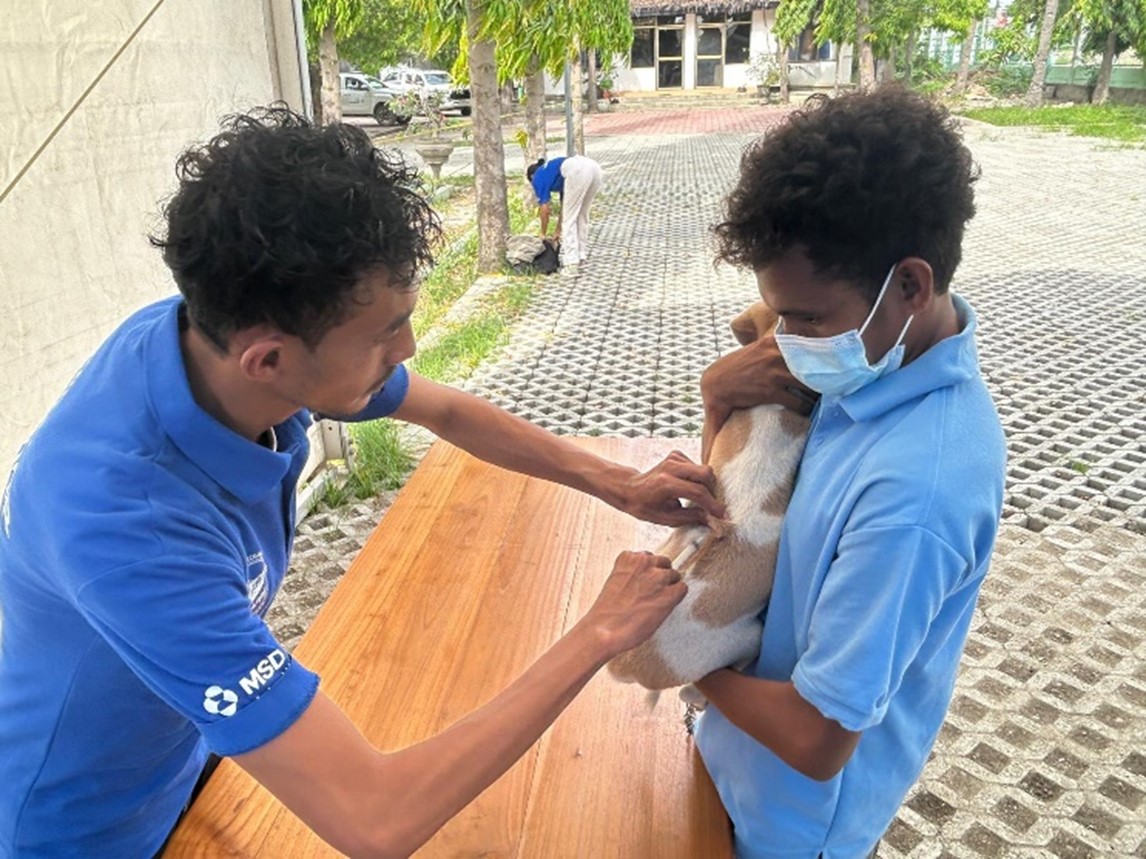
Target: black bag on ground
532,255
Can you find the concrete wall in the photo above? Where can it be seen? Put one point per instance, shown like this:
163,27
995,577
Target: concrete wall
97,99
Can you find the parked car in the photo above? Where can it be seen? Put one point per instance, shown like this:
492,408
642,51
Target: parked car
364,95
403,80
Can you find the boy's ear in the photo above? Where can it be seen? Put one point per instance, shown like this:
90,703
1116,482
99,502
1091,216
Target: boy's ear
917,280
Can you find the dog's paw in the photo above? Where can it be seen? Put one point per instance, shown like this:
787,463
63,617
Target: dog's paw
693,697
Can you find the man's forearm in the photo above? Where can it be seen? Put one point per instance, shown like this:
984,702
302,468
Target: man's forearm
543,211
496,436
369,803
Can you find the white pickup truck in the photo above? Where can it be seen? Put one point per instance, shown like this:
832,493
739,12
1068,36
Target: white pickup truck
364,95
401,80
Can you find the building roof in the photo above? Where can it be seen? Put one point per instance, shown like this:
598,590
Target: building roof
647,8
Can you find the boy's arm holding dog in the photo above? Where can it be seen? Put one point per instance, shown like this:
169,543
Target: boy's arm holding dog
775,715
498,437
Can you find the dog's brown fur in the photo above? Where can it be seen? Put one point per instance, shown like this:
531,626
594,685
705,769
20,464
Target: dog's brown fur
731,573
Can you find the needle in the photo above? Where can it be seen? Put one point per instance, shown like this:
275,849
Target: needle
687,552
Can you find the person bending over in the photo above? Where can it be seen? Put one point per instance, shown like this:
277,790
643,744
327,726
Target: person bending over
576,180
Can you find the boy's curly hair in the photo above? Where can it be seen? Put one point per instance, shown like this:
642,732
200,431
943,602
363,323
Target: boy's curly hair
276,221
859,182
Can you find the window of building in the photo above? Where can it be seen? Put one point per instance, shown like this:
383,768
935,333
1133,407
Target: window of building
738,32
670,51
643,53
709,55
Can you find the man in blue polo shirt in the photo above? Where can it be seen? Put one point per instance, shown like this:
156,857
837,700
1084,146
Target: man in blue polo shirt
852,218
148,522
575,179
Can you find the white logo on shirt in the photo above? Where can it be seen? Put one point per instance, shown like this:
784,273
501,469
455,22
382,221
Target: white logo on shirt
258,676
220,702
257,590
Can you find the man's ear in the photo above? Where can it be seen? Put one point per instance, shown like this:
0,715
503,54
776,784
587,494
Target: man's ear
916,282
261,357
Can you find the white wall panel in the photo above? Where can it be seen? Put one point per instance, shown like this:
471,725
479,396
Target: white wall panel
97,99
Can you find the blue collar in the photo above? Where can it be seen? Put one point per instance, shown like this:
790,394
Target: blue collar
247,470
949,362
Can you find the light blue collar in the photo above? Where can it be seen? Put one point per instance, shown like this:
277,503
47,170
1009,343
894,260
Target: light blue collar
949,362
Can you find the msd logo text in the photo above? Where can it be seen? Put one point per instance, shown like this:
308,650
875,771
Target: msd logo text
260,675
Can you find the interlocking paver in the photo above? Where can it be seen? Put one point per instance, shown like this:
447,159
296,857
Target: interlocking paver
1041,752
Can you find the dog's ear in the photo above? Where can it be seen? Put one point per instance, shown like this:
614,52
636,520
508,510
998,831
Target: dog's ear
753,323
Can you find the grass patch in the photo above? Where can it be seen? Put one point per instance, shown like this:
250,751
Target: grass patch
381,462
456,267
455,270
1125,123
459,352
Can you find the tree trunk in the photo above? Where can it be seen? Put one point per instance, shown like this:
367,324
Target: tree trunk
785,82
505,96
489,154
909,60
578,116
328,68
1077,52
1102,85
535,115
839,68
592,94
888,72
1035,90
965,60
315,91
866,58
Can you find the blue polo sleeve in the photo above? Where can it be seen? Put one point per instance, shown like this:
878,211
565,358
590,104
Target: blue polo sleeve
543,189
183,625
386,401
880,597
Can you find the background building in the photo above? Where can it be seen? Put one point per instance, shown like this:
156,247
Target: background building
681,45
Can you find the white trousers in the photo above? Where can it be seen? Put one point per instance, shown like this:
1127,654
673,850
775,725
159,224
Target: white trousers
583,179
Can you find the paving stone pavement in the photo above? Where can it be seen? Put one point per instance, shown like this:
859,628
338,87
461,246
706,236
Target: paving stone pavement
1044,750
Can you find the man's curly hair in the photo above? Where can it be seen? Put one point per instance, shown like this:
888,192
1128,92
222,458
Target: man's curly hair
276,221
859,182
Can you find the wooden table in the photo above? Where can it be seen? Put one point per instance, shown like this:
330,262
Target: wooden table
473,573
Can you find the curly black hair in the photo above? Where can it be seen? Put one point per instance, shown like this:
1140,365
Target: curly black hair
276,221
859,182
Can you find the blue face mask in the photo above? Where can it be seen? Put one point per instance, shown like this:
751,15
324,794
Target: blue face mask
838,366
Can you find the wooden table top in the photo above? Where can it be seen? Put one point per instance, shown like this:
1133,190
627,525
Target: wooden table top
473,573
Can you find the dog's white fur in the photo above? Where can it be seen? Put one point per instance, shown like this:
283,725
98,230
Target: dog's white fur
755,456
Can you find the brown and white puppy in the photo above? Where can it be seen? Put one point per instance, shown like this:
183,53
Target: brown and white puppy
729,570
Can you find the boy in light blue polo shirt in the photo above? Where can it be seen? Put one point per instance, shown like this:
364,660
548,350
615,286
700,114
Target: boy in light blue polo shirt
852,218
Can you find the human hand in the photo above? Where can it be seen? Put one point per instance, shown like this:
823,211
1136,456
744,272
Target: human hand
639,594
751,375
655,495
